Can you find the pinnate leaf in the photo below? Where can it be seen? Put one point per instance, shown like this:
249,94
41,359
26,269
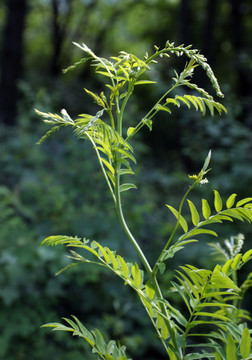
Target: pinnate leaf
104,253
230,201
136,275
207,160
112,258
194,213
179,217
219,280
245,345
231,348
217,201
206,211
243,201
195,232
218,356
149,288
247,255
226,266
124,266
127,186
236,261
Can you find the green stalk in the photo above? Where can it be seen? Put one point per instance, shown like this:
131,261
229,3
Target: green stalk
125,226
120,112
142,258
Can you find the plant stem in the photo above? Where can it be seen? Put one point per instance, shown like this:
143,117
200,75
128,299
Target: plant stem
125,226
142,258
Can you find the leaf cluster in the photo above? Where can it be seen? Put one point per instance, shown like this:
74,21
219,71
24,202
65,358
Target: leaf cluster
106,351
210,296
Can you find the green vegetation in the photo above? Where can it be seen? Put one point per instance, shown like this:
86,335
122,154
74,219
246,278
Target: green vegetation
212,298
58,188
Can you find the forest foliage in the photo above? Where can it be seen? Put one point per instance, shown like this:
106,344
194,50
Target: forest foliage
36,201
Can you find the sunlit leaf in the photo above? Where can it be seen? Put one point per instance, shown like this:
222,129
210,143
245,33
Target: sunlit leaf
226,266
219,280
217,356
217,201
112,258
245,345
136,275
230,201
104,253
194,213
144,82
213,315
149,288
126,187
124,266
236,261
179,217
243,201
247,255
231,352
206,211
130,131
198,232
109,166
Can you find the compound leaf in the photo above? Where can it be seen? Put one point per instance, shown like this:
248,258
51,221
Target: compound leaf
230,201
217,201
123,266
136,274
127,186
194,213
149,289
179,217
206,211
245,345
231,352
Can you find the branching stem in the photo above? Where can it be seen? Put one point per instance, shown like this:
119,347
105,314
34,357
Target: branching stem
142,258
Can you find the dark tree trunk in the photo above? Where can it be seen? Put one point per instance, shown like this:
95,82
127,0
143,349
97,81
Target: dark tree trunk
57,38
11,59
184,23
59,31
208,34
238,47
243,76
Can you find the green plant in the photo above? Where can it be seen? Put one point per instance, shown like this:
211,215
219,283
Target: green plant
211,297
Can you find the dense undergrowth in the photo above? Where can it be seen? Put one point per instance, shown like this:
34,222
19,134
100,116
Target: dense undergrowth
40,196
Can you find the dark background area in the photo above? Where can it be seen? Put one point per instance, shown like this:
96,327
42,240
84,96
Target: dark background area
56,188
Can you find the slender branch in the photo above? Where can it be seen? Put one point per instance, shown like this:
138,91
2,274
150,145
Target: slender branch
143,260
125,226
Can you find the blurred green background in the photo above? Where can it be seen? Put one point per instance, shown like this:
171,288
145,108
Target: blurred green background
57,188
